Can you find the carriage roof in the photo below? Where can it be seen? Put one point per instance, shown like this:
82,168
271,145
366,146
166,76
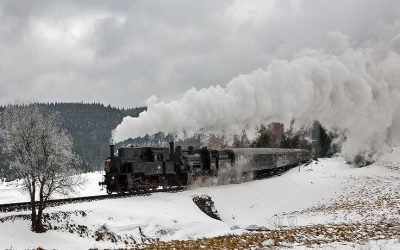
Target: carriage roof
252,151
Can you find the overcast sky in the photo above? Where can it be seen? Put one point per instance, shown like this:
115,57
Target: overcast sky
123,52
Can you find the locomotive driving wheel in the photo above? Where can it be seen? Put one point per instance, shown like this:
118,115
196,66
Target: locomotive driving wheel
120,190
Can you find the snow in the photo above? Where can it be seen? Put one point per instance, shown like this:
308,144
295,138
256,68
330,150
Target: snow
11,192
305,195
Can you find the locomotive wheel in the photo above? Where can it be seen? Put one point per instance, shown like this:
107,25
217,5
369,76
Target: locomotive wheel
164,183
179,182
120,190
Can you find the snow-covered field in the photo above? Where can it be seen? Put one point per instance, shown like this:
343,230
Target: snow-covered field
329,192
11,192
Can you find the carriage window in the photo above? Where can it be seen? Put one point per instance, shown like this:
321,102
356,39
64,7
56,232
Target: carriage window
240,160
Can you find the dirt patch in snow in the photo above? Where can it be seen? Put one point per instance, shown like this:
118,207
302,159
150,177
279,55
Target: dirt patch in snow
206,205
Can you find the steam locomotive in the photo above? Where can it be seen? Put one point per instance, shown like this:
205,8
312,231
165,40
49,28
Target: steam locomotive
134,169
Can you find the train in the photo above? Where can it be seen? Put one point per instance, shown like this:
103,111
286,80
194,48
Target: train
133,169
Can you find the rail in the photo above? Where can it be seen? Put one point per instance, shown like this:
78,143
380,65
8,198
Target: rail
22,206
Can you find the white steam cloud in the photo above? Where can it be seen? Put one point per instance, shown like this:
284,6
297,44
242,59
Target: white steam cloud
355,90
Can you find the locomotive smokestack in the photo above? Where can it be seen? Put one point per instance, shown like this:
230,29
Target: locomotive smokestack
171,147
112,150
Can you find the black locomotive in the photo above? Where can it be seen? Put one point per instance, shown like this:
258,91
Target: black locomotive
144,168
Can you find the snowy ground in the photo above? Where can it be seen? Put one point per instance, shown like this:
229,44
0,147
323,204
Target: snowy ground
11,192
326,194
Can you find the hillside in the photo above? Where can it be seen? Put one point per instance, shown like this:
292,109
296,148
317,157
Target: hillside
327,204
90,126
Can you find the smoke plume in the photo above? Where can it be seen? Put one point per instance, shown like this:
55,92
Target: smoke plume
352,89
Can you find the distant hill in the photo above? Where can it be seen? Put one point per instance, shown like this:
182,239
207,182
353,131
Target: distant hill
90,126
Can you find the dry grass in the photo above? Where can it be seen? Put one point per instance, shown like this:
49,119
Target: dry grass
310,236
364,199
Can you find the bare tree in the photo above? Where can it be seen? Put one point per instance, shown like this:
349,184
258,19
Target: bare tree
40,153
216,141
242,141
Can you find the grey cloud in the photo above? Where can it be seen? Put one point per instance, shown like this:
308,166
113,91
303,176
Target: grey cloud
122,52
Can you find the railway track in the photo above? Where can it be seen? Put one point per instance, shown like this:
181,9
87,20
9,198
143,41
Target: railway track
23,206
